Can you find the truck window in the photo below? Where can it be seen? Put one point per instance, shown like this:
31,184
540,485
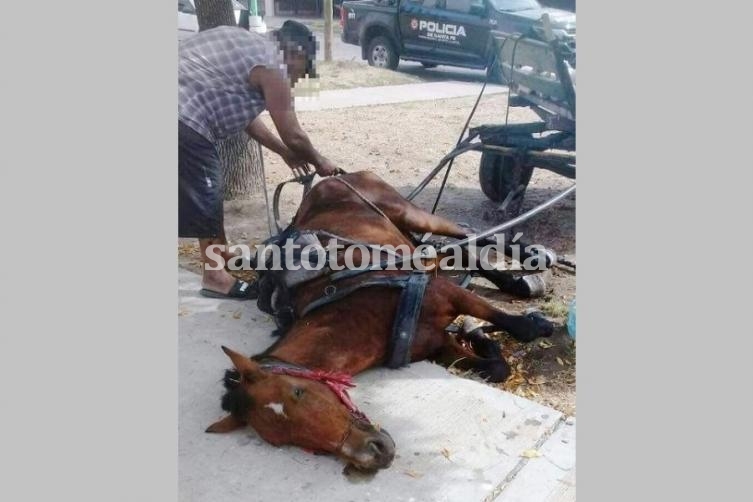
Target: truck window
514,5
463,6
186,7
433,4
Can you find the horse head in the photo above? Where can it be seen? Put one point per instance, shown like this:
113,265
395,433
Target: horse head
289,405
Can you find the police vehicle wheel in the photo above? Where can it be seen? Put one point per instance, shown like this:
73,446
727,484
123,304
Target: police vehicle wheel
382,54
499,175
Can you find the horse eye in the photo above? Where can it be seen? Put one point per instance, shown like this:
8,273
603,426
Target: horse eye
298,392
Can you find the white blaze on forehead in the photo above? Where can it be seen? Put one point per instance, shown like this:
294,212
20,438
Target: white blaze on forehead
278,408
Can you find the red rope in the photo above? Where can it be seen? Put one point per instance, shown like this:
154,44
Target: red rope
339,383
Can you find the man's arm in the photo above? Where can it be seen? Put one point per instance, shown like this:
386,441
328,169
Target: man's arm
258,131
276,91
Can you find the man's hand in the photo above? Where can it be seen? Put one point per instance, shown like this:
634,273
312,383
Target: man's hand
299,166
326,168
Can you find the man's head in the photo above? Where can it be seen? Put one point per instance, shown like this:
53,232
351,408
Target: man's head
298,46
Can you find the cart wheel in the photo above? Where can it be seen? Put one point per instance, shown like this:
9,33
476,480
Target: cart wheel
499,175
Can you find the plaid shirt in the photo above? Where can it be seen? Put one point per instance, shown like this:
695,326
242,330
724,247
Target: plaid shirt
214,96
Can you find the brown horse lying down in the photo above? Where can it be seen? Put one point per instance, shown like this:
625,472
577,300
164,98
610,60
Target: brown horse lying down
295,392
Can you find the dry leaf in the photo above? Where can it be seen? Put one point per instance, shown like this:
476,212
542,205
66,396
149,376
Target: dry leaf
530,453
546,344
538,380
560,362
182,312
413,474
237,315
445,452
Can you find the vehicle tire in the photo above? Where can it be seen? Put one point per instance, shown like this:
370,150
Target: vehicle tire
494,74
428,65
382,54
499,175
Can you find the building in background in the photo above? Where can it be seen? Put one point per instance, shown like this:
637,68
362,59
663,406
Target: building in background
294,8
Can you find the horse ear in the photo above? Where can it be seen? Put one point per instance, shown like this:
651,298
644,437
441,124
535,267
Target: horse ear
227,424
245,366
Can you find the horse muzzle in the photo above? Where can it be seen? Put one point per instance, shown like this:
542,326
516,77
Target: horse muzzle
369,450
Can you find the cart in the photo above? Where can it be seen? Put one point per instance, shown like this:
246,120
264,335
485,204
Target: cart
540,76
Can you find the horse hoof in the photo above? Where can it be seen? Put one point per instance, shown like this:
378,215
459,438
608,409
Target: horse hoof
495,371
543,326
531,285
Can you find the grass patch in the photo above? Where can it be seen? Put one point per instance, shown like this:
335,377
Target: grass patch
554,308
350,74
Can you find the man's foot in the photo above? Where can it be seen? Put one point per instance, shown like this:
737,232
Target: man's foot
241,290
220,284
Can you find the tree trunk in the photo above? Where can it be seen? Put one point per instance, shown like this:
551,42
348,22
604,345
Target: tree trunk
242,166
213,13
241,157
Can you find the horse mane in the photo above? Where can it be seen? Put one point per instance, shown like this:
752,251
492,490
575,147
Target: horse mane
235,401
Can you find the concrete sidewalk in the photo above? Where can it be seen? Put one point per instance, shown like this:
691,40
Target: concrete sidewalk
387,94
457,440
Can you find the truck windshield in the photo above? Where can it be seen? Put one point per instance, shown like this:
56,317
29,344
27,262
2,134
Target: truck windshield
514,5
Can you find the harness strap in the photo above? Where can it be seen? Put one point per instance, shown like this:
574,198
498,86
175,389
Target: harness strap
303,180
364,198
332,294
406,320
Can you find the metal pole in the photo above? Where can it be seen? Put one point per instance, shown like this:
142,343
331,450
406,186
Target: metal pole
515,221
328,30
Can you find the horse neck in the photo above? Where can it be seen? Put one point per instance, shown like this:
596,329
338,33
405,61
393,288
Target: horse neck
316,345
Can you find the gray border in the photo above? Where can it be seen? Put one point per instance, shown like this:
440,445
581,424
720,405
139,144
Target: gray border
89,366
88,352
663,236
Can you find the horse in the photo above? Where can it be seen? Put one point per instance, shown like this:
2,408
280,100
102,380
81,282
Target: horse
295,392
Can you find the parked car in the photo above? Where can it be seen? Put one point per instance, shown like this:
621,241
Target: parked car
188,23
447,32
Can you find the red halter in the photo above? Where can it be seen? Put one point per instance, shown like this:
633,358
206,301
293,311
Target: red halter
339,383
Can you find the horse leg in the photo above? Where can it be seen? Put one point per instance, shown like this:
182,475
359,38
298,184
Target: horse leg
409,218
479,341
524,328
453,353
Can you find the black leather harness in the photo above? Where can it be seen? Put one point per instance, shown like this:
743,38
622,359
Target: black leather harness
277,287
406,320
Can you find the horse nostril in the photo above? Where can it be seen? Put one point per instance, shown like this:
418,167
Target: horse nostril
377,446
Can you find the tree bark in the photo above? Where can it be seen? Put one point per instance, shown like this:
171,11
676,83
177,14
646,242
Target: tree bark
213,13
241,157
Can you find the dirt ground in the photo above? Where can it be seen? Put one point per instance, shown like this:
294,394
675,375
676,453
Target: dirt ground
402,143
